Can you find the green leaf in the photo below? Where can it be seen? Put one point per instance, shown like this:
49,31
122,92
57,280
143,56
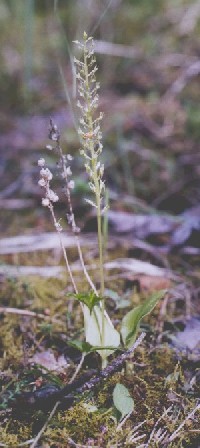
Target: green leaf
93,325
89,299
85,347
82,346
131,321
122,400
120,301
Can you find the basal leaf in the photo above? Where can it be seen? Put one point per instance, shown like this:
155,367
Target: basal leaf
93,325
131,321
122,400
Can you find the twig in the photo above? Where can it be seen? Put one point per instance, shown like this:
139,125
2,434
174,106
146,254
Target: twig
112,368
178,430
8,310
119,427
73,391
108,371
180,83
153,432
45,425
77,369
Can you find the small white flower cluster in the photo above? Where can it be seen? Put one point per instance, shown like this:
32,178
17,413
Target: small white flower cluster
45,177
66,171
89,130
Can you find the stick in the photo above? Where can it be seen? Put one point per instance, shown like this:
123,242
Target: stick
71,393
108,371
9,310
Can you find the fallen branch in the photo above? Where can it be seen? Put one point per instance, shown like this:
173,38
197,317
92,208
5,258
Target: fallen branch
131,265
24,271
42,241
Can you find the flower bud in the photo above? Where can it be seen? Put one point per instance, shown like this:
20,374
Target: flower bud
45,202
41,162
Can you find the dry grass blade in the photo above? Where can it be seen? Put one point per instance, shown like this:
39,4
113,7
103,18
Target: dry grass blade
156,434
181,426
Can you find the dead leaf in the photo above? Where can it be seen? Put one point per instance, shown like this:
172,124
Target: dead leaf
149,283
48,360
188,232
189,338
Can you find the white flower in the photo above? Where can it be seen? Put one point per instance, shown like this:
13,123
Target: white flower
101,170
102,185
69,157
70,184
41,183
41,162
92,187
69,171
45,202
49,147
98,165
52,196
46,174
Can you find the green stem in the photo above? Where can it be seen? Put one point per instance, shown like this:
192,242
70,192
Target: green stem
100,243
97,192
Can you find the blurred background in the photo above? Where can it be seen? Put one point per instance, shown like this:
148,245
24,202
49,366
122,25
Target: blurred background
148,54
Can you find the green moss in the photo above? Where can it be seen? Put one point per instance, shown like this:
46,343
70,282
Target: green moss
79,424
11,347
14,291
154,378
15,432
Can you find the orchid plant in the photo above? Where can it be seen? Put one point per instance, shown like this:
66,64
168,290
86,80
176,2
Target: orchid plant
100,334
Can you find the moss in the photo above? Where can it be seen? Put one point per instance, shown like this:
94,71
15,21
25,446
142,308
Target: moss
104,397
80,425
11,349
154,378
14,432
155,381
14,291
